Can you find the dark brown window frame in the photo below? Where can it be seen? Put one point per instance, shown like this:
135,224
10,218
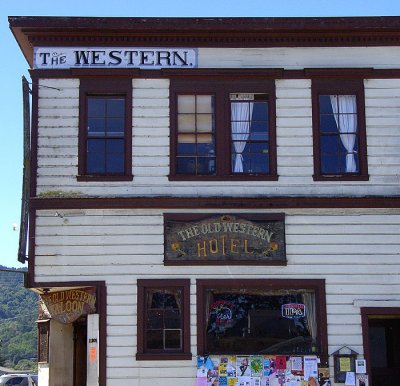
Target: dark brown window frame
184,285
105,86
340,86
317,285
221,88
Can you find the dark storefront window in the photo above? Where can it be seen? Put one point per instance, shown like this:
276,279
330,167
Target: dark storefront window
258,317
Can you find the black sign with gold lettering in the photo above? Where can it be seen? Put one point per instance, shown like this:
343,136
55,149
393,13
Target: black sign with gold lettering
225,239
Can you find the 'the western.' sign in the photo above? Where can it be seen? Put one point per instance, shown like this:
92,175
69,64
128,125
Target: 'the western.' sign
115,57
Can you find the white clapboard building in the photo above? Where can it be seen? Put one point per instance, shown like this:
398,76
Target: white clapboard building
214,201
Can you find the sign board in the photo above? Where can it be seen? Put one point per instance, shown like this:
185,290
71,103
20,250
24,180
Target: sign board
293,310
149,58
68,305
224,239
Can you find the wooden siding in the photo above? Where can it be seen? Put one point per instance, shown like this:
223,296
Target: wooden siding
58,144
355,251
300,57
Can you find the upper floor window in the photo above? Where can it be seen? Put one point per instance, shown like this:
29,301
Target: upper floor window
223,130
105,129
339,130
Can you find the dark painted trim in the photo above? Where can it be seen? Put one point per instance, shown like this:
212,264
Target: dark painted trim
34,136
223,73
365,313
229,202
31,31
142,285
318,285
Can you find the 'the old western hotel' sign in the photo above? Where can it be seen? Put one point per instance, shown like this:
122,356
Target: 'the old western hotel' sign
115,57
225,239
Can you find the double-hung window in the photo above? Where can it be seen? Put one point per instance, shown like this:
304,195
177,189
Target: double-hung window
163,319
223,130
339,130
105,129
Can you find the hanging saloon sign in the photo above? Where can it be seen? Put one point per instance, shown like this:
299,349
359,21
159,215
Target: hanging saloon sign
68,305
224,239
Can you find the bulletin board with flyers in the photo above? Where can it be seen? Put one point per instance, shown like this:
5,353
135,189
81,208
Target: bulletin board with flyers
261,370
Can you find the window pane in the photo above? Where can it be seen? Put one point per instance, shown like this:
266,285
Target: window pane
244,321
96,107
106,118
173,339
204,104
115,126
96,156
155,339
249,132
115,107
325,105
196,134
186,104
96,126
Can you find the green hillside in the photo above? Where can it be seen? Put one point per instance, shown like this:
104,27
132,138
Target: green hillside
18,314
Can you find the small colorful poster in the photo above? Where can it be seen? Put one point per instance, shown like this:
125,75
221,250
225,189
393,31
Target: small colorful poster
296,364
361,367
222,381
268,366
280,362
281,376
256,365
231,367
232,381
222,367
243,366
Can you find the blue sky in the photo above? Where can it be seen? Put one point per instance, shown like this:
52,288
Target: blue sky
13,66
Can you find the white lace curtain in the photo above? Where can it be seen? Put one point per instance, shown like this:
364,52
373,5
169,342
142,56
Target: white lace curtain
345,112
241,113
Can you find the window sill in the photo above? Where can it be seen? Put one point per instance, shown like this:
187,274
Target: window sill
163,356
104,178
255,177
341,177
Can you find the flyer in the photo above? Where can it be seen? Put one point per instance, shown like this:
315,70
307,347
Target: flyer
244,381
256,365
231,367
222,381
310,367
297,363
232,381
201,381
344,364
243,366
350,378
361,367
255,381
268,366
280,362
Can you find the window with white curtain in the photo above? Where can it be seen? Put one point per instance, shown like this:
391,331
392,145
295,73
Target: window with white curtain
223,129
340,144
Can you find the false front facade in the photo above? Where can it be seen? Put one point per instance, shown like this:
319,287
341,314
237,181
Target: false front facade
214,201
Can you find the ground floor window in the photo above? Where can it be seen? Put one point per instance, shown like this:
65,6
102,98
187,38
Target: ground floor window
163,319
261,317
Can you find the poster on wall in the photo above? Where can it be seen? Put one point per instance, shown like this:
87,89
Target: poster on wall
224,239
260,370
